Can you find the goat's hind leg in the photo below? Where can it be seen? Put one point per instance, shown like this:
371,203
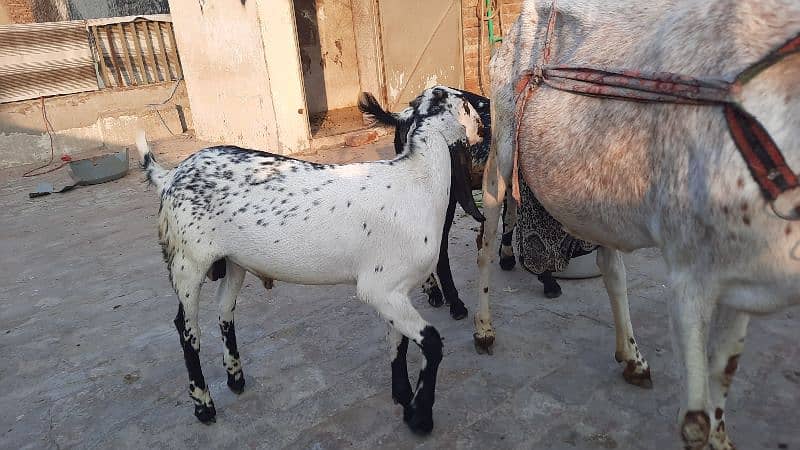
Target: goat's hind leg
637,371
187,281
226,298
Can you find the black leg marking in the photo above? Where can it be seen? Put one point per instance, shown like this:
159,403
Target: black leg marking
457,309
401,388
419,415
204,411
431,289
235,374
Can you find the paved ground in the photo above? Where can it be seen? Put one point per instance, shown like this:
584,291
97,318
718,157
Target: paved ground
90,358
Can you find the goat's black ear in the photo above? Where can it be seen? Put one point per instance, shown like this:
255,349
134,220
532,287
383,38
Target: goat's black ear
460,185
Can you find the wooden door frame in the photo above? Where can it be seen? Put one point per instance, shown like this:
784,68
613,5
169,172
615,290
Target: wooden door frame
369,53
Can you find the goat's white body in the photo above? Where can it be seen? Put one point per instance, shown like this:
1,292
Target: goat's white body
339,223
629,175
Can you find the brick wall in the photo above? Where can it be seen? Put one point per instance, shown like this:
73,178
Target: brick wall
18,11
509,9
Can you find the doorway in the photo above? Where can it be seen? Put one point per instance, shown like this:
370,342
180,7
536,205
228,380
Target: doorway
327,43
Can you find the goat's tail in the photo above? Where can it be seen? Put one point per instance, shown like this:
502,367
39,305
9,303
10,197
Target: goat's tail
155,173
368,104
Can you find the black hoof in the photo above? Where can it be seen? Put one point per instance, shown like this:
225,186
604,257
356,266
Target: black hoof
508,262
552,290
457,310
435,297
205,414
420,422
237,386
403,397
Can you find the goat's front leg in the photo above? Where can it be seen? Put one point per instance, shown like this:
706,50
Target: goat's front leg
397,310
730,333
637,371
690,316
507,259
187,282
226,297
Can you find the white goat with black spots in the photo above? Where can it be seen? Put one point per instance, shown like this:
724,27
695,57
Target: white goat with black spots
374,224
439,287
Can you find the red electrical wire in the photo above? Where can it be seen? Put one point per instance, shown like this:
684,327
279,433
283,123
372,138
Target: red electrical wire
66,158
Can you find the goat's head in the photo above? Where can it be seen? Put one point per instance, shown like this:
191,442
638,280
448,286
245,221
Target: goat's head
441,100
444,100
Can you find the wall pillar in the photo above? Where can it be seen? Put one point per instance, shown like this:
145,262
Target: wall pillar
242,69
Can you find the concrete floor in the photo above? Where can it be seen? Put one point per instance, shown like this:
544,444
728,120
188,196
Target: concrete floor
90,358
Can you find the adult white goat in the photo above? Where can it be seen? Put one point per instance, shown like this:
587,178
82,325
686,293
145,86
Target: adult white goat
375,224
630,175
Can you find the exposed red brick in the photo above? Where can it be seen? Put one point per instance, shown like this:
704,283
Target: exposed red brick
20,11
359,139
509,10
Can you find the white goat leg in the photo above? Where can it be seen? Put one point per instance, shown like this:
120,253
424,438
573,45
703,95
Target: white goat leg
637,371
187,280
227,292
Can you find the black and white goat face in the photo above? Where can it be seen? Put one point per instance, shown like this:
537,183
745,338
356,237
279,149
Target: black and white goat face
442,99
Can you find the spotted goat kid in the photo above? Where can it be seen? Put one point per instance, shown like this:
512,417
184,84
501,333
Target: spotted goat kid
377,225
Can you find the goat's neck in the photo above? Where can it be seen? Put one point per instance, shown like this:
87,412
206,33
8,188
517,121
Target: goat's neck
429,145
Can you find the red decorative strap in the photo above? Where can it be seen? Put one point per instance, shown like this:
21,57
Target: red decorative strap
765,161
